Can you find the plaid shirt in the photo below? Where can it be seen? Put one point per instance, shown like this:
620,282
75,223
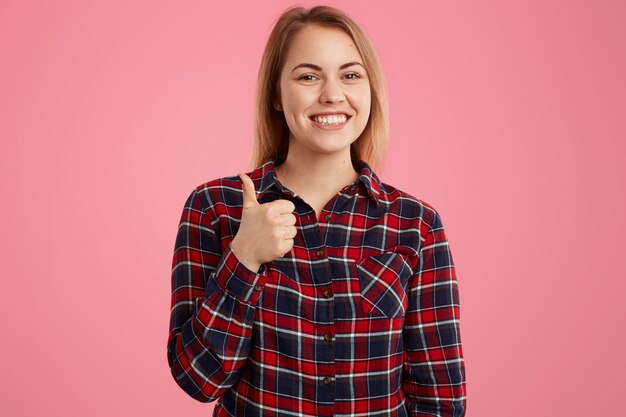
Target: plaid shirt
360,318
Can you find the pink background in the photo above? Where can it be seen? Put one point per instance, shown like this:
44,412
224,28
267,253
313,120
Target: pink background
508,117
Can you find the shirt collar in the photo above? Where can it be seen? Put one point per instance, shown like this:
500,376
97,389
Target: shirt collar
264,178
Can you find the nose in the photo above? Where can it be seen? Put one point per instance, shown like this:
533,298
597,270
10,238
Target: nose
331,92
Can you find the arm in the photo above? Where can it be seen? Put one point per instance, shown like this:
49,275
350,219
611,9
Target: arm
212,307
434,371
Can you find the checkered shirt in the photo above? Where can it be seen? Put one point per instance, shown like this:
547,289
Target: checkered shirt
360,318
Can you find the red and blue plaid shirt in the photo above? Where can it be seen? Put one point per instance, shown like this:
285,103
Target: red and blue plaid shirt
360,318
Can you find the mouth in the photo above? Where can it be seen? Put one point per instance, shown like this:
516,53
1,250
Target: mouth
330,119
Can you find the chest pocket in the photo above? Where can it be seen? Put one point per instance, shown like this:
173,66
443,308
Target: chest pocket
383,280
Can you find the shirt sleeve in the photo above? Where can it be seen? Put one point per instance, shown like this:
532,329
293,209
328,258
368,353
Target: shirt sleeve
212,305
434,371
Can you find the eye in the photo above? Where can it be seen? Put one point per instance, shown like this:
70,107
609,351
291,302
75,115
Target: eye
352,75
307,77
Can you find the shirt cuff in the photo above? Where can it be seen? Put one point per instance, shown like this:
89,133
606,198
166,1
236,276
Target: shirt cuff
236,278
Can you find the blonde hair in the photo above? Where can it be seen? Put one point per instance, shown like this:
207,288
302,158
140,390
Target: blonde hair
271,130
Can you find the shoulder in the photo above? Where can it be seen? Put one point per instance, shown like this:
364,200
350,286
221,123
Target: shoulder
408,206
225,193
229,189
410,211
219,190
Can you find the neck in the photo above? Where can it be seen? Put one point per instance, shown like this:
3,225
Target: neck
306,171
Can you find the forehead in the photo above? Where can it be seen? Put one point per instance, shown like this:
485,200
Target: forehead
319,44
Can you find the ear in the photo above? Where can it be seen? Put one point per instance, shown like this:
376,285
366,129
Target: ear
277,105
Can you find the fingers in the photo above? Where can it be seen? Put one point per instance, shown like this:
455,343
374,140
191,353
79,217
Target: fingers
287,219
249,194
283,206
289,243
290,232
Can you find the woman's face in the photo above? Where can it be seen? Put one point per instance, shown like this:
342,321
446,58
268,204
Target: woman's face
325,92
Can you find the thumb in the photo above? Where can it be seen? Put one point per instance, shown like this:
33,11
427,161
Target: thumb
249,194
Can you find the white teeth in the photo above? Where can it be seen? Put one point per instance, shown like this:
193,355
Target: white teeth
331,120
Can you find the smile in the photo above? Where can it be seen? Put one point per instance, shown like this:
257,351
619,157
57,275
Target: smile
335,120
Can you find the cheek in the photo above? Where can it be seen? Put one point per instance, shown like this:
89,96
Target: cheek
293,107
367,102
362,99
365,106
293,100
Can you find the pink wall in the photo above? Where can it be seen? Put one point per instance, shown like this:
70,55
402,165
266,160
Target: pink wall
508,117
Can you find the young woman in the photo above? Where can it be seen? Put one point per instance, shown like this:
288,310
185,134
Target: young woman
308,287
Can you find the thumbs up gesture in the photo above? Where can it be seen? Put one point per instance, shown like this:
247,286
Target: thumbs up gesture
266,231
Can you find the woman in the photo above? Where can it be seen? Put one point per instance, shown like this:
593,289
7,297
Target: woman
309,287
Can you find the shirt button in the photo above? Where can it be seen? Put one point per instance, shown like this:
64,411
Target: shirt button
327,217
328,337
328,293
328,380
320,253
257,287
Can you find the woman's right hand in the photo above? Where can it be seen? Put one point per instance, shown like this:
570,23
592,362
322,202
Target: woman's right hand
266,231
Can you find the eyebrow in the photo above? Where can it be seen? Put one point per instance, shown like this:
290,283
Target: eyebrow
318,68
